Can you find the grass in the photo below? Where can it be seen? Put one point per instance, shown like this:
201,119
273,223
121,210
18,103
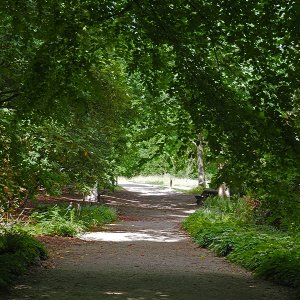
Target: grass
92,216
118,188
228,228
194,191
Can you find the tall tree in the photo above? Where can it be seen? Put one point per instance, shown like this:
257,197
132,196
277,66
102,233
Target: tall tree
62,97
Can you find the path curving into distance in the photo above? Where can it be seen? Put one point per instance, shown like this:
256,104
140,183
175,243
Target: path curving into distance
144,256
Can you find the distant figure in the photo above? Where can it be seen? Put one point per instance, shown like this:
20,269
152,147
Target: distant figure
171,182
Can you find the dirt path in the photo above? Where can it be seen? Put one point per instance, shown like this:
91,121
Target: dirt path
144,256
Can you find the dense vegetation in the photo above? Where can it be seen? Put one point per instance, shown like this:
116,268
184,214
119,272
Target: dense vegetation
90,90
17,251
66,220
228,228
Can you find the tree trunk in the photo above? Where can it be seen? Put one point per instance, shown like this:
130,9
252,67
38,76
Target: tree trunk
200,162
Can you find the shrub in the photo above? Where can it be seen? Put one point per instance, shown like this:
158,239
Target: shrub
55,220
96,215
239,209
17,251
269,252
195,191
66,220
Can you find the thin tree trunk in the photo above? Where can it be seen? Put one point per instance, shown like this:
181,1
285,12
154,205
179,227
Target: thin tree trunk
200,162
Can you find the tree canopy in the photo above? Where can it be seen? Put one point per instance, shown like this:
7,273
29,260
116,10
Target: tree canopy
81,81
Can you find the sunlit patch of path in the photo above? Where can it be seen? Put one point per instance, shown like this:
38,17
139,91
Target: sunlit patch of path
131,237
146,231
146,189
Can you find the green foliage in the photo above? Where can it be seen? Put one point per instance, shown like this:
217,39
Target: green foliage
237,84
56,221
160,136
67,220
240,209
82,82
270,253
96,215
17,251
62,100
195,191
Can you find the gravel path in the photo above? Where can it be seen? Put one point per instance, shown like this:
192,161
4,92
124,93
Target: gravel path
144,256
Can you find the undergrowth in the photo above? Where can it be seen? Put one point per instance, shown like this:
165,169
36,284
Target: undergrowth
18,250
194,191
228,228
67,220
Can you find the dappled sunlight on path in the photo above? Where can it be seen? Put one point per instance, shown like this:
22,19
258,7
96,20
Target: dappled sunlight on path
144,201
146,189
144,256
153,197
149,236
